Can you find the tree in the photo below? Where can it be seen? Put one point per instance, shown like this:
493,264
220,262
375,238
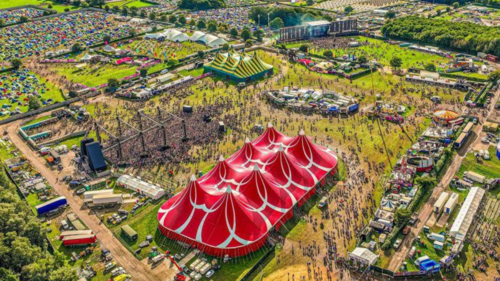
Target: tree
396,62
248,43
362,59
201,54
106,38
115,9
172,19
430,67
65,273
258,14
310,2
212,27
143,14
106,8
34,103
276,23
225,47
2,22
182,20
258,34
201,24
456,5
23,19
327,54
113,84
125,11
76,48
304,48
72,94
16,63
76,3
494,76
49,6
233,32
143,72
390,14
152,16
402,216
245,34
426,182
201,4
349,9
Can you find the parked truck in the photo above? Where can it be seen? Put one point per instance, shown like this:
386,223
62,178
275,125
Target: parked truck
79,240
75,233
51,205
107,199
474,176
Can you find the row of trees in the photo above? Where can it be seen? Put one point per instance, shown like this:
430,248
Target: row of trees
202,4
278,17
463,36
23,247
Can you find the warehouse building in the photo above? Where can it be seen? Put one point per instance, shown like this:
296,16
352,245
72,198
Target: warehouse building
466,215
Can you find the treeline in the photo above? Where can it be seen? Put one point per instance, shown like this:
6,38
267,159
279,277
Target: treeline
495,3
287,16
463,36
23,247
202,4
447,2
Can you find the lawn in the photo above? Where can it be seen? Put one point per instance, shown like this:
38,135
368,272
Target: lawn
489,168
129,4
383,52
36,120
4,4
96,75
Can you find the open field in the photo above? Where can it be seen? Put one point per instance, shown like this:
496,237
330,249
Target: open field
94,76
488,168
164,50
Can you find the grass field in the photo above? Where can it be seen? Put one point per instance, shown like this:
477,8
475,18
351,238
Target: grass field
96,75
129,4
4,4
489,168
383,52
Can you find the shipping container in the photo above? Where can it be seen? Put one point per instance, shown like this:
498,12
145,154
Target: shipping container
450,204
438,206
79,240
51,205
474,176
90,194
75,233
436,237
107,199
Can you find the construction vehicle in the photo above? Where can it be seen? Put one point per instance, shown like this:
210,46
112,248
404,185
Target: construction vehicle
179,276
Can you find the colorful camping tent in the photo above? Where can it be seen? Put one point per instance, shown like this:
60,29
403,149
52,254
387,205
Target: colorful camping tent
239,67
231,209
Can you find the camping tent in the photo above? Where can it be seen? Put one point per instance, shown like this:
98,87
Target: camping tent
363,255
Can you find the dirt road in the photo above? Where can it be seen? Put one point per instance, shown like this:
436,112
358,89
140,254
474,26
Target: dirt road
138,270
426,211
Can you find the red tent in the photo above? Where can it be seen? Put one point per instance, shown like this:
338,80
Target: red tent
232,208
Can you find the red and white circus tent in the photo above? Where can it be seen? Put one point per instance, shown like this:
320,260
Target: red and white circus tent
231,209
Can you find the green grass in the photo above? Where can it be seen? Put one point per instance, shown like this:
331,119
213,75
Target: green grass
36,120
76,140
383,52
4,4
489,168
91,78
193,72
159,49
138,4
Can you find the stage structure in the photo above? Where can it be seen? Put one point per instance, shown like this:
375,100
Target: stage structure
316,29
141,136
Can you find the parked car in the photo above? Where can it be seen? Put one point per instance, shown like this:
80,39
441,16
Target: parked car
397,244
210,273
80,191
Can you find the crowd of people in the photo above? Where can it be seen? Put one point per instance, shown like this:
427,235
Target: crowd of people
58,32
14,16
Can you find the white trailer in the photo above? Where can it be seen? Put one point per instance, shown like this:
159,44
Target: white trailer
107,199
438,206
451,203
475,176
89,195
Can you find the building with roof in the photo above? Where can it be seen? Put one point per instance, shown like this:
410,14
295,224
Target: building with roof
239,67
363,255
232,209
467,213
140,186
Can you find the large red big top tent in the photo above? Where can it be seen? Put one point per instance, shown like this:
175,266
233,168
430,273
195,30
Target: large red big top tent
231,209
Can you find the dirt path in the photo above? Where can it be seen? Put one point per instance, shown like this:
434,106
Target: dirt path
132,265
426,211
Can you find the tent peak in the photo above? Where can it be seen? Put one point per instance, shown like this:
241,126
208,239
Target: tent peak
281,147
193,178
247,140
301,133
228,189
256,167
221,158
269,125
